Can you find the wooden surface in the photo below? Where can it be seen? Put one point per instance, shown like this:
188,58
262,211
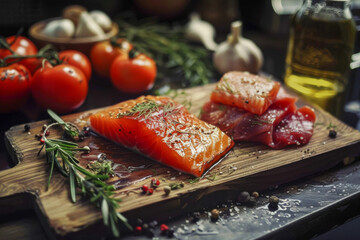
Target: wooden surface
247,167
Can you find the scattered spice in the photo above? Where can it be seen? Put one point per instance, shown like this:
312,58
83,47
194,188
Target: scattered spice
196,216
150,191
252,201
144,188
155,183
27,127
273,202
215,214
167,190
243,197
102,165
44,127
255,194
332,133
164,229
138,230
42,140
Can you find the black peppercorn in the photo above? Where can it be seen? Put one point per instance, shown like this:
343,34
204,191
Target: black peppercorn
196,216
27,127
332,133
243,197
170,233
273,202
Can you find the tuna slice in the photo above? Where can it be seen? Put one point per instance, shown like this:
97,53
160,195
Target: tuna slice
246,91
279,126
165,131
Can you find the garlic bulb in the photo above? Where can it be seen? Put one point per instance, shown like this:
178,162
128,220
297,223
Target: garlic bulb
237,53
63,28
201,31
102,19
87,27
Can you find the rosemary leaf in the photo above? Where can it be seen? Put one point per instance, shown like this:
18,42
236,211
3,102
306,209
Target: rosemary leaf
55,117
52,155
105,211
72,183
114,229
95,198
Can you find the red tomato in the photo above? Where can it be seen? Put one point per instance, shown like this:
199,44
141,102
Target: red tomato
14,87
22,46
77,59
104,53
62,88
133,75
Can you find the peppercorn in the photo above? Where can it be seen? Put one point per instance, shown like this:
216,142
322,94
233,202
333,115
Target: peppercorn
42,140
27,127
145,188
167,190
164,229
273,202
196,216
47,133
255,194
138,230
182,184
150,191
243,197
37,136
145,227
153,224
332,133
44,127
86,131
155,182
215,214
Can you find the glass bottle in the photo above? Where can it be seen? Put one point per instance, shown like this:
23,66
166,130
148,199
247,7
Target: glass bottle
321,43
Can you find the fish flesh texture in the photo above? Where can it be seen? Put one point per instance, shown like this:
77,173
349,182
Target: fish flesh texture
163,130
280,125
246,91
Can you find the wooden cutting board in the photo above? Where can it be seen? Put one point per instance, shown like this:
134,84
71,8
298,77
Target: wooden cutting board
247,167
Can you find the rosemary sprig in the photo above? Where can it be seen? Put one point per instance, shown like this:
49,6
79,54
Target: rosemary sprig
60,154
167,48
70,129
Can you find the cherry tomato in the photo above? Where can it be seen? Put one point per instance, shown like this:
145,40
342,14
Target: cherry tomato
77,59
21,46
62,88
104,53
135,74
14,87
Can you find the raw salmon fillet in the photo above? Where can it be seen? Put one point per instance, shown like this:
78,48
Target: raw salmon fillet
165,131
282,124
246,91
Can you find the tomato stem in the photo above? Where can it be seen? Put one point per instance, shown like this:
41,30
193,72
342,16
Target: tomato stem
4,44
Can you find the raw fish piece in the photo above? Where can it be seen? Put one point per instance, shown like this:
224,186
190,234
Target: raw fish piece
246,91
165,131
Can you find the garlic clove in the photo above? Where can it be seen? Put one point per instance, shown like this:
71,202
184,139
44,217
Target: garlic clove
237,53
102,19
63,28
87,27
201,31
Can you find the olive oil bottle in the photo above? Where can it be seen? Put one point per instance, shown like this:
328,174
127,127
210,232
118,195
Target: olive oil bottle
320,46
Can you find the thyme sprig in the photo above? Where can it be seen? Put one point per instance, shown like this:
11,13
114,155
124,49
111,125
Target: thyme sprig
61,154
166,46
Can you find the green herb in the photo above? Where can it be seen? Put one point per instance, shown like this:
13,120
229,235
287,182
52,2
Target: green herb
70,129
212,177
331,126
91,185
145,109
226,86
167,47
101,167
194,180
176,185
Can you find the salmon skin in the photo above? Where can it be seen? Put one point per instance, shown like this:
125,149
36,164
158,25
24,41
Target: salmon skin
250,92
164,131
